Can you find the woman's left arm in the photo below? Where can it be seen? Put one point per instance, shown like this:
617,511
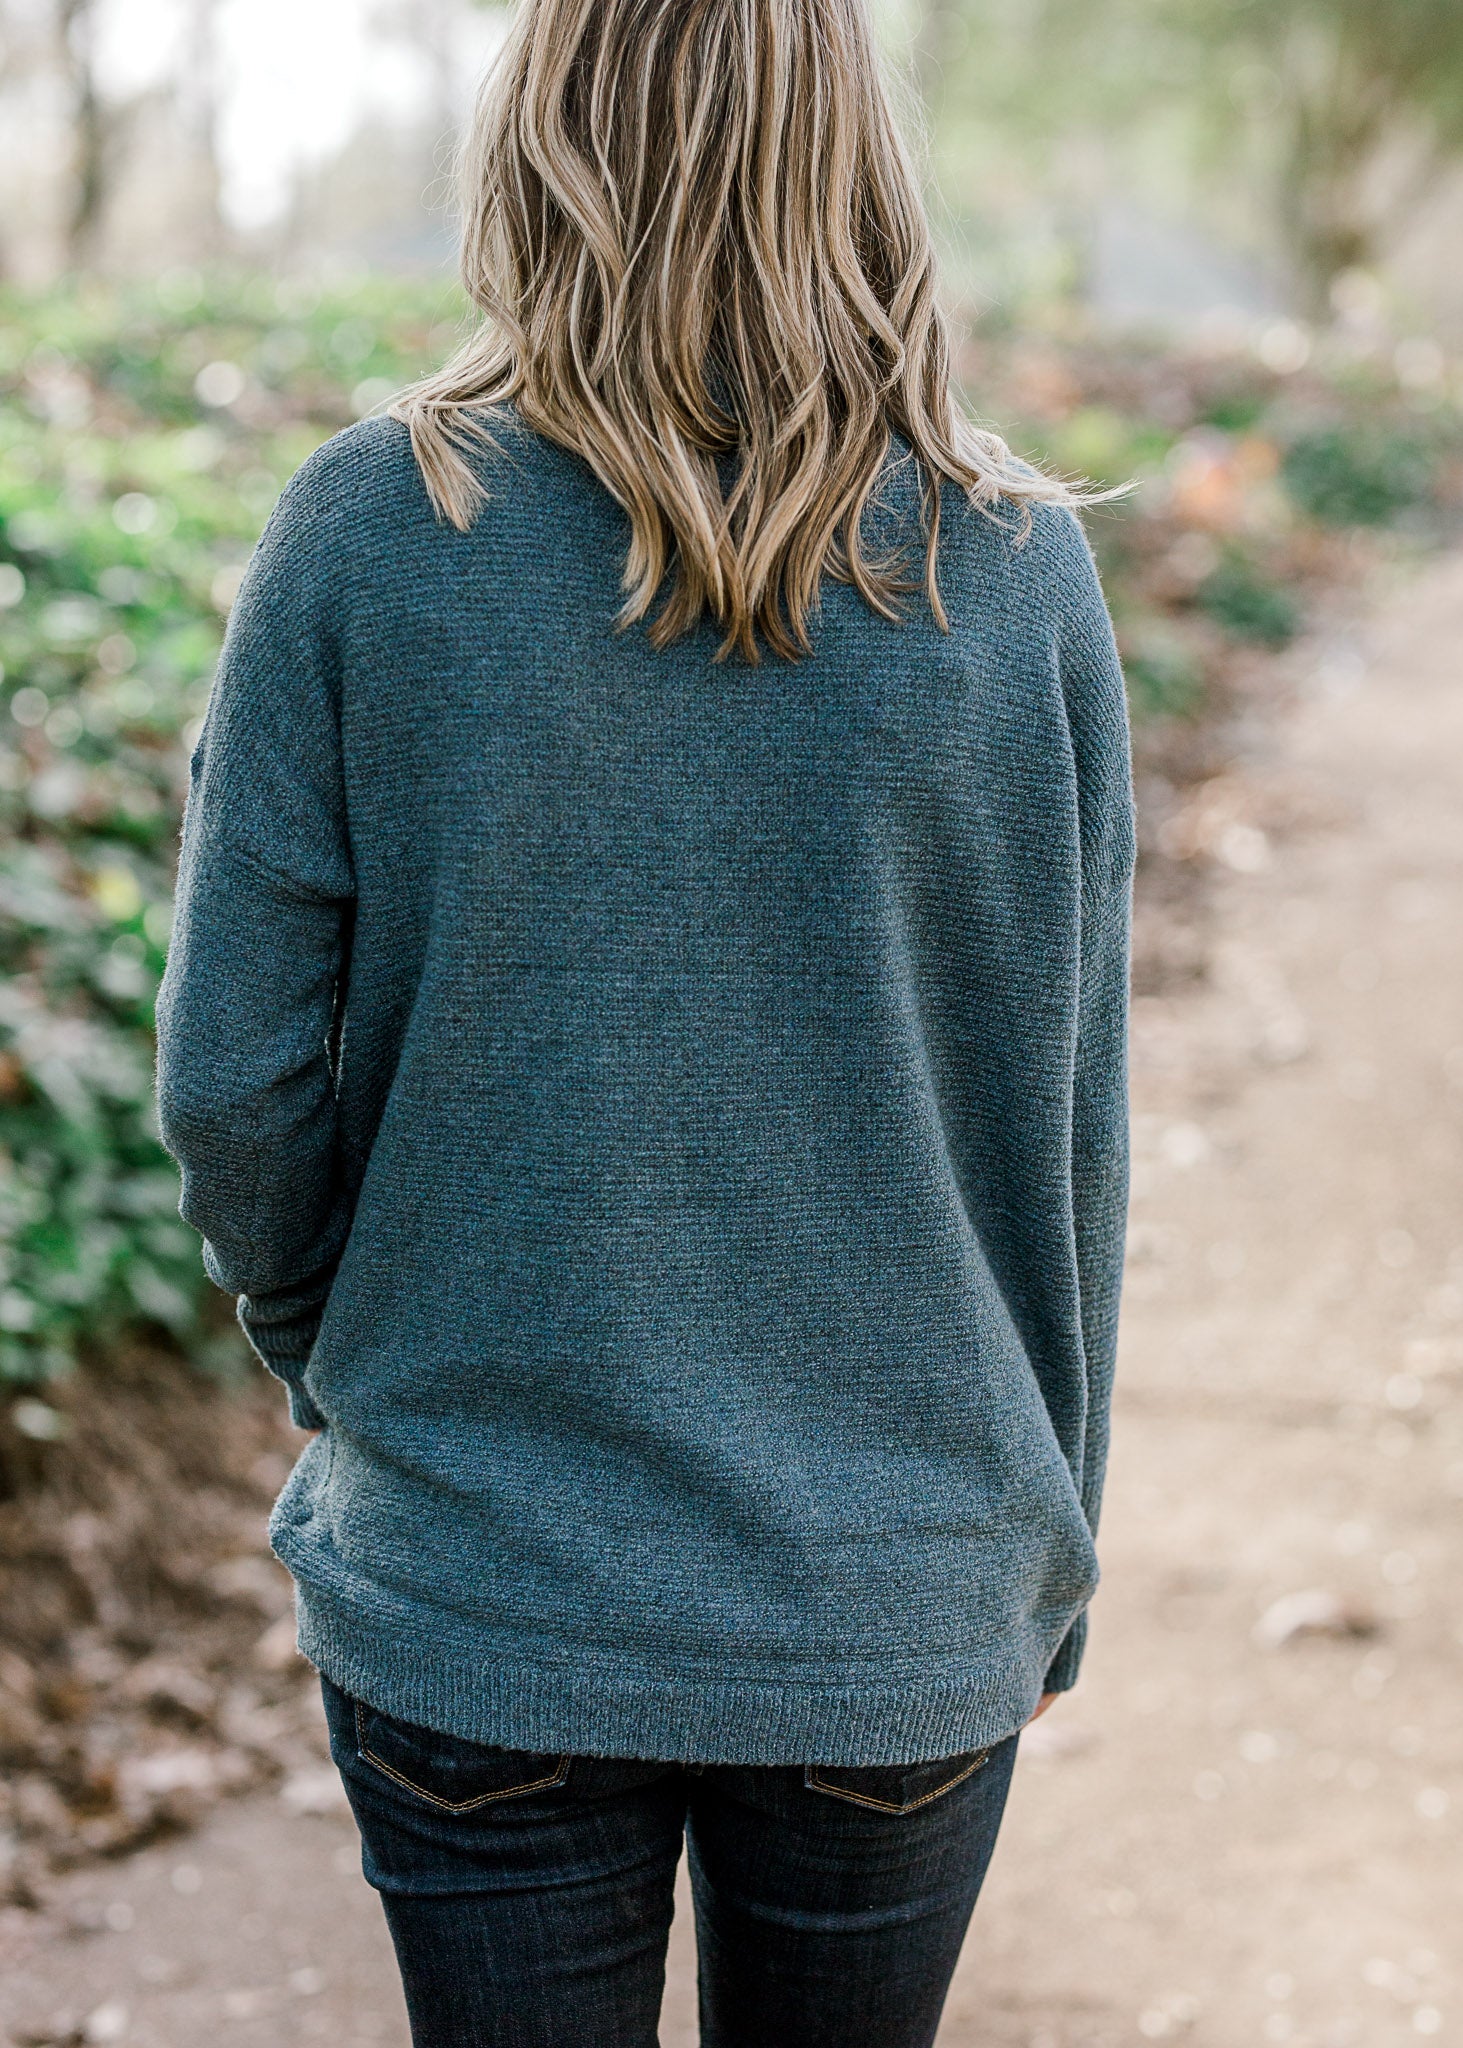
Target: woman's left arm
261,935
1097,709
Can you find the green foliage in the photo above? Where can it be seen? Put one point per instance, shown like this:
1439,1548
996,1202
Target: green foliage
1165,677
1236,408
143,438
1360,473
1248,603
1105,445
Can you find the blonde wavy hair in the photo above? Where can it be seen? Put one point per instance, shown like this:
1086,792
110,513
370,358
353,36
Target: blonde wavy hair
695,237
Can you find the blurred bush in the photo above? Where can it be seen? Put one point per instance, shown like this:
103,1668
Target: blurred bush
1361,473
1257,489
1246,601
144,436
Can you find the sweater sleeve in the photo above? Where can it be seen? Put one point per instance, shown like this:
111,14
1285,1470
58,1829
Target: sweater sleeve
1097,710
255,973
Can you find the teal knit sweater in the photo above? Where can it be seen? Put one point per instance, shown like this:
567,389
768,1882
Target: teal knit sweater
665,1122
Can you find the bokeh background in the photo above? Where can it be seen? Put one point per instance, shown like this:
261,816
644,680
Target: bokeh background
1212,246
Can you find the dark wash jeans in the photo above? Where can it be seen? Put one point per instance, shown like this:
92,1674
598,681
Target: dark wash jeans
530,1897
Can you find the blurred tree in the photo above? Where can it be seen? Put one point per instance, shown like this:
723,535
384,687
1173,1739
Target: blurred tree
76,23
1354,108
1371,108
106,135
198,97
939,33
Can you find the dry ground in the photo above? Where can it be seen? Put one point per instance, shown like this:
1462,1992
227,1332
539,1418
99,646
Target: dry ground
1244,1826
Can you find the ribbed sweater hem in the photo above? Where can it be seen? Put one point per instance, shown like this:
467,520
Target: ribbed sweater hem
492,1693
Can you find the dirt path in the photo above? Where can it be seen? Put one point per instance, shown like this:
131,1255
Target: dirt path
1224,1837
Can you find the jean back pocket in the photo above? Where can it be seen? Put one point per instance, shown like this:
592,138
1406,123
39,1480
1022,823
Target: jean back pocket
894,1788
449,1773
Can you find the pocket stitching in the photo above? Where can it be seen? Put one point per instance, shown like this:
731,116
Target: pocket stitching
368,1755
815,1783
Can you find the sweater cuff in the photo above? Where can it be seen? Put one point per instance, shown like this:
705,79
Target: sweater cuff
303,1412
291,1371
281,1328
1062,1672
283,1324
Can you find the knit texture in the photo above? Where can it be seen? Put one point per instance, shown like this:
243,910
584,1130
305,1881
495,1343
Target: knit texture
665,1121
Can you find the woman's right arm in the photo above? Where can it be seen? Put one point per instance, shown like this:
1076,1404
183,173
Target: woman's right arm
246,1098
